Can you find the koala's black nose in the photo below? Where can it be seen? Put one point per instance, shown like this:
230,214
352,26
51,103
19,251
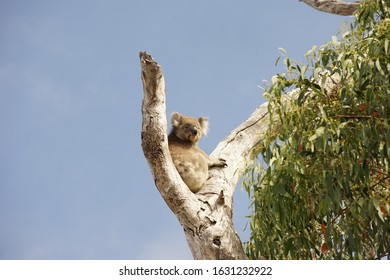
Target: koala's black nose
194,130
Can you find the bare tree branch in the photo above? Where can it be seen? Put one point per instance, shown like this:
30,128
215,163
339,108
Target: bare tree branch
333,6
155,142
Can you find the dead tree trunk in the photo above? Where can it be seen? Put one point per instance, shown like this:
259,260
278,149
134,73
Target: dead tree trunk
207,216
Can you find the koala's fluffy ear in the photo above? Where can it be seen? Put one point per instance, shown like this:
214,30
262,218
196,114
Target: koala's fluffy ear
175,119
204,124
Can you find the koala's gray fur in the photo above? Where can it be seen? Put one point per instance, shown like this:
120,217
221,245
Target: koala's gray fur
191,162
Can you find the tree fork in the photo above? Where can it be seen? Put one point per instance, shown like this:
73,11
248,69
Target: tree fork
207,216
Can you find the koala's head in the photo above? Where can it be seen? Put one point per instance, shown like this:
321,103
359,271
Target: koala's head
189,129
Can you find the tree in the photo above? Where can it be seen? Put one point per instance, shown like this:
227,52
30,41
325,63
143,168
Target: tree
323,188
206,216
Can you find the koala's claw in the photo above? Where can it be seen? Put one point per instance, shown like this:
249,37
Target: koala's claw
222,163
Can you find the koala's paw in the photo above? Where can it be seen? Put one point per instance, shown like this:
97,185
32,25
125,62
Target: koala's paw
219,163
223,162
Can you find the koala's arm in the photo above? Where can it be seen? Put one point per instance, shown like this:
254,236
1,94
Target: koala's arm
212,162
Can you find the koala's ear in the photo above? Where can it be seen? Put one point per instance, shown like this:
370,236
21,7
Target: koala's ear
175,119
204,124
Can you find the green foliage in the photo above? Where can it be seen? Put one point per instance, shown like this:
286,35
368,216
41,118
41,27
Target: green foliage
322,188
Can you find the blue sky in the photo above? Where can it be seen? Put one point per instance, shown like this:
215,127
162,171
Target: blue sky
74,183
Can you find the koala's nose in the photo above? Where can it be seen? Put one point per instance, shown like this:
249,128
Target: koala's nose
194,131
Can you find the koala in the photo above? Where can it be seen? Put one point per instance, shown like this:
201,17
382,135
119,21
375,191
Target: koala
191,162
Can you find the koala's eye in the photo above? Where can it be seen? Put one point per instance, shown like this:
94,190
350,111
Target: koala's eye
191,126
